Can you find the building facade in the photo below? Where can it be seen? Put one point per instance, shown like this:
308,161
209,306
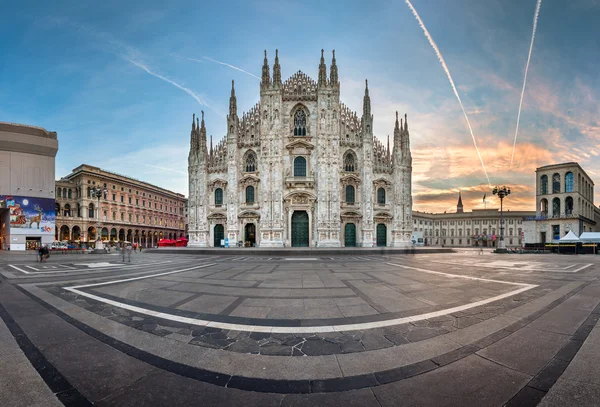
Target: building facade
27,155
564,202
129,210
300,169
478,228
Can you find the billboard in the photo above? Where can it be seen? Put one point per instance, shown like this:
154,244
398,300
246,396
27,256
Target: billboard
29,216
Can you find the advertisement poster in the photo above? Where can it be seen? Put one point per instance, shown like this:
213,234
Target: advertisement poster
35,216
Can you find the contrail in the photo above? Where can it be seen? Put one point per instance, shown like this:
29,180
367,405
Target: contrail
231,66
164,78
441,59
535,20
191,59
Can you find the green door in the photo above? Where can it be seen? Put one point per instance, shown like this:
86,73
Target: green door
219,235
300,229
381,235
350,235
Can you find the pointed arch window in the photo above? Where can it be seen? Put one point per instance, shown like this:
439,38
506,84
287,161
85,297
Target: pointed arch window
300,123
218,196
381,196
251,162
249,194
349,194
349,162
300,167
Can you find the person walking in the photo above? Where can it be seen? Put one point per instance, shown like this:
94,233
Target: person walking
126,252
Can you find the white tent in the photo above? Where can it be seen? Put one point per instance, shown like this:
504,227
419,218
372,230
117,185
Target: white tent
569,238
590,237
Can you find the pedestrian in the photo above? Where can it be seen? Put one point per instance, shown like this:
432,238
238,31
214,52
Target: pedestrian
140,248
126,252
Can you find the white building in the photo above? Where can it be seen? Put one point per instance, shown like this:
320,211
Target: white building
27,217
478,228
564,202
300,169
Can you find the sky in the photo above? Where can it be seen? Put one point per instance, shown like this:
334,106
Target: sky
119,81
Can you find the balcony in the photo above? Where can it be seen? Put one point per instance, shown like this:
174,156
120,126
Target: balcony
300,182
217,208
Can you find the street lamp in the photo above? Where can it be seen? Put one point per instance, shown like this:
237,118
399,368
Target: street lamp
98,192
501,192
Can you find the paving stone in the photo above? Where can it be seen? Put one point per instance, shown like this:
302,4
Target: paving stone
320,347
467,382
245,345
571,393
527,350
419,334
397,339
209,342
372,342
275,349
352,346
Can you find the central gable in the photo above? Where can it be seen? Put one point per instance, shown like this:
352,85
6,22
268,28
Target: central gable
299,86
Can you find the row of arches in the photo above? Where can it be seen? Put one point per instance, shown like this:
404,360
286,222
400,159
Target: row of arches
146,238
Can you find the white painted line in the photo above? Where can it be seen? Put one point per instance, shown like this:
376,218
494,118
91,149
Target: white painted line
300,329
21,270
67,267
580,268
140,278
572,265
300,258
458,275
123,267
33,268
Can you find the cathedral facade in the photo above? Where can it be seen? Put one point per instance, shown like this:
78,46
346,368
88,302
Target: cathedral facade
300,169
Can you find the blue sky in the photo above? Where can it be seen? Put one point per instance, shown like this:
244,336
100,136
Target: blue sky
119,81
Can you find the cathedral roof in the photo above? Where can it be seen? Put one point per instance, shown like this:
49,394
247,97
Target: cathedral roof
299,86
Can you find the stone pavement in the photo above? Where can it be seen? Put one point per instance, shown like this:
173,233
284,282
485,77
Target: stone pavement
364,329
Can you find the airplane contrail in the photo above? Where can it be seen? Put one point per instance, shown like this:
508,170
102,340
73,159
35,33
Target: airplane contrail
164,78
535,20
445,67
231,66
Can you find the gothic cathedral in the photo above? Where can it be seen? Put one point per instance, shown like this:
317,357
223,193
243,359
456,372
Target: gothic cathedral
300,169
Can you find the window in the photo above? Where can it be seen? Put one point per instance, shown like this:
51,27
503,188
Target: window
381,196
349,162
569,182
349,194
70,193
137,201
544,185
300,123
67,210
249,194
129,200
114,215
89,192
137,218
556,207
218,196
78,211
300,167
129,217
569,206
123,198
122,217
91,211
251,162
556,183
544,207
114,197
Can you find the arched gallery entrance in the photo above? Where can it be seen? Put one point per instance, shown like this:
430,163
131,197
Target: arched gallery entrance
250,234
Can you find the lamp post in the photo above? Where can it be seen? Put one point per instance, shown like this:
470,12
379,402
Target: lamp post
98,192
501,192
